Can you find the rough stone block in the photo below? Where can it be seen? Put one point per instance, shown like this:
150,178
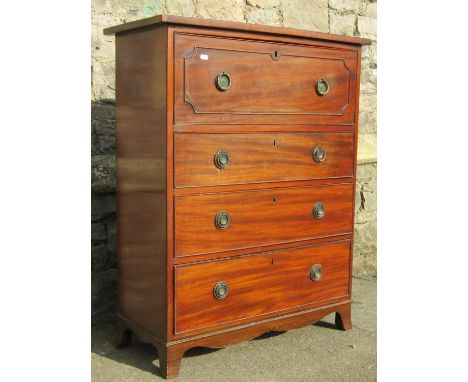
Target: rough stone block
102,206
365,230
98,5
368,9
367,102
370,199
365,235
103,296
103,173
364,265
111,236
363,216
342,25
371,10
103,112
228,10
107,146
103,79
368,81
103,144
368,122
367,151
98,232
369,56
367,27
344,5
368,114
129,10
103,128
306,14
153,7
181,7
263,16
366,172
371,186
264,3
99,258
102,46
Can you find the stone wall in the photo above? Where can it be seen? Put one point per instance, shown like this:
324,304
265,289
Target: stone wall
345,17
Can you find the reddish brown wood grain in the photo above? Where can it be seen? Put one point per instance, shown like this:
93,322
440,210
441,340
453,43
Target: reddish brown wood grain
260,217
226,26
258,284
250,251
171,119
169,185
259,128
255,158
260,186
263,88
141,167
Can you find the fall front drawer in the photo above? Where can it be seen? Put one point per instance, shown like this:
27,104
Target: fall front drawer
217,159
221,80
206,223
223,291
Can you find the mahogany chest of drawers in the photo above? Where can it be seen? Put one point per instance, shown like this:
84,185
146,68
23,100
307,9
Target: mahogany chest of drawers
236,169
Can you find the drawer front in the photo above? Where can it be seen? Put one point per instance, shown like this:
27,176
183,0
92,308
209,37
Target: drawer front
240,81
221,159
218,292
207,223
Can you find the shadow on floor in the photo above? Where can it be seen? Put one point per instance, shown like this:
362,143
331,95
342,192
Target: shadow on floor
326,325
138,355
145,356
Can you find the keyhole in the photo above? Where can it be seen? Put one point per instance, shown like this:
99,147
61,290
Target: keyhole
274,142
272,262
276,55
274,199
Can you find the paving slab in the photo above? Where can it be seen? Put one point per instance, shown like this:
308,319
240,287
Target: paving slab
317,352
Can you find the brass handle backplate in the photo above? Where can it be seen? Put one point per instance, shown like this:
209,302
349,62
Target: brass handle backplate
316,272
319,154
322,87
222,220
319,210
220,290
222,159
223,81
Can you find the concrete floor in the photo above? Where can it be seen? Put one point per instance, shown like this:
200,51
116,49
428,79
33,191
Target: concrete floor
316,352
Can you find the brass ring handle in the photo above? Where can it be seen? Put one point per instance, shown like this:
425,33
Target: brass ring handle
319,210
222,159
319,154
322,87
220,290
222,220
316,272
223,81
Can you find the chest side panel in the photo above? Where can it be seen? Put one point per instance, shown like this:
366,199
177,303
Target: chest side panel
141,177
